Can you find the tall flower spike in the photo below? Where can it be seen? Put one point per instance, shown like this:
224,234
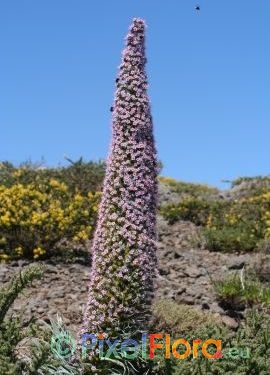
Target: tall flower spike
124,247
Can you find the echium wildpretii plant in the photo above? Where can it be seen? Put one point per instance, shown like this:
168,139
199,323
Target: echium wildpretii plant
124,247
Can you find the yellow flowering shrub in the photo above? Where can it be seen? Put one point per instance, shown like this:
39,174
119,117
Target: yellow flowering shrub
228,224
34,217
264,200
78,175
189,208
240,225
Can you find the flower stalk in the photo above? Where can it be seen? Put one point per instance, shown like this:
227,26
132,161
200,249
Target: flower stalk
124,247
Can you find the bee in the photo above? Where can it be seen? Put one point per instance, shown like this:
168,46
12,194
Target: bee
117,80
111,109
197,8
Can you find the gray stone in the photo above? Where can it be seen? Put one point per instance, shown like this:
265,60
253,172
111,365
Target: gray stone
186,299
229,322
193,272
56,294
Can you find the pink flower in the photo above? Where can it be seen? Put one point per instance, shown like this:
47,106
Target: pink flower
124,247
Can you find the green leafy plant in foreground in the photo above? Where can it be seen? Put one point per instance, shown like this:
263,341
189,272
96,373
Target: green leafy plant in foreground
11,329
25,346
253,334
243,288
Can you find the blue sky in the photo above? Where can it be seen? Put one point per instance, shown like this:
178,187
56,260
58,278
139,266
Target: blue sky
209,76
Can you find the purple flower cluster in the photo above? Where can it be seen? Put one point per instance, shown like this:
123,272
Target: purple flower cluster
124,247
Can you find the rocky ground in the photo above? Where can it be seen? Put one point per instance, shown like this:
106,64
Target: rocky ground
185,274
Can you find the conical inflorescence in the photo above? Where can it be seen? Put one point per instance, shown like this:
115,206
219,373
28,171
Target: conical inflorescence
124,247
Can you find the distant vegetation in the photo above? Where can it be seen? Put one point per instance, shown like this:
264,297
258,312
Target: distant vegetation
236,221
185,188
48,211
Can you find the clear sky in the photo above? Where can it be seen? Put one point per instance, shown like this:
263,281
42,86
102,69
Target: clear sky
209,76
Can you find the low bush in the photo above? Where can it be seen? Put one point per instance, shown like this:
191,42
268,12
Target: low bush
189,189
229,239
11,329
170,317
192,209
35,217
250,344
79,176
229,224
234,291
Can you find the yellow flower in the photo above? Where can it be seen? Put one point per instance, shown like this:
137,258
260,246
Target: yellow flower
58,185
209,221
4,257
3,241
38,251
17,173
78,198
19,250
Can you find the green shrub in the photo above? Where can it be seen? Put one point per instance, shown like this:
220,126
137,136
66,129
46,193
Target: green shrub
25,347
228,239
191,209
235,226
185,188
171,317
11,331
229,224
253,334
253,184
233,291
229,288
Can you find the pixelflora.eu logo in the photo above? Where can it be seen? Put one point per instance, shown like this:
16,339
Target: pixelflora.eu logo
63,346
